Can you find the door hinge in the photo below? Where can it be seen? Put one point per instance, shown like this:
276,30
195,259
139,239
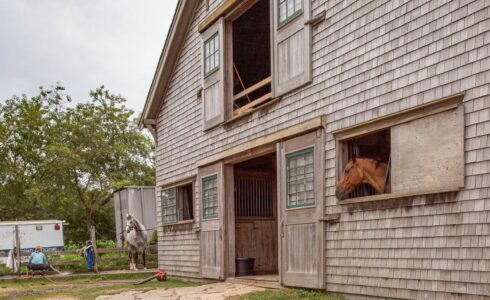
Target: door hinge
282,228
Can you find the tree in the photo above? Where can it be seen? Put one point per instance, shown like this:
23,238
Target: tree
25,127
77,157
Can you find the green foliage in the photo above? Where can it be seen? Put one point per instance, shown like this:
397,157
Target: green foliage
154,238
106,244
71,245
64,162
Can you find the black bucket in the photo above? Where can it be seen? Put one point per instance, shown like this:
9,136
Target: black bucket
244,266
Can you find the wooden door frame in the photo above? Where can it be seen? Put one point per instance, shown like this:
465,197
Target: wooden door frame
215,169
229,200
319,194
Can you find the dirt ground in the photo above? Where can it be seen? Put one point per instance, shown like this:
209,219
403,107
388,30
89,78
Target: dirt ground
213,291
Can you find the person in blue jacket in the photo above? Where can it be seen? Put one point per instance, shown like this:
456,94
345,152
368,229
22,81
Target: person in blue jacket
89,254
37,260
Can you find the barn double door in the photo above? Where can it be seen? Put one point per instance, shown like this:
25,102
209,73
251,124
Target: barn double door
300,205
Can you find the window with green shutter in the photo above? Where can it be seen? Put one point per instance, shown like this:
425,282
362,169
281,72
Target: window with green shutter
300,177
178,203
210,197
211,54
288,9
169,206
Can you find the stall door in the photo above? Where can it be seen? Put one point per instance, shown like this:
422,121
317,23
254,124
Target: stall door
300,204
212,216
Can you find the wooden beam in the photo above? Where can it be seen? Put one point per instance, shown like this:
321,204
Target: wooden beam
257,108
253,88
149,122
223,9
380,197
400,117
240,79
264,140
317,19
252,104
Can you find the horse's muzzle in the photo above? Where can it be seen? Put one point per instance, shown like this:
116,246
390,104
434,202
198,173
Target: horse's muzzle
341,195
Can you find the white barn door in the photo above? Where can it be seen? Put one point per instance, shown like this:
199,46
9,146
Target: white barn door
211,194
300,203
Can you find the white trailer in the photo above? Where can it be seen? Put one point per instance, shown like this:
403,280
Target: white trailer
139,200
47,233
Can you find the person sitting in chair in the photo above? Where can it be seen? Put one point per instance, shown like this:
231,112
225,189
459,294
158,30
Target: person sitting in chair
37,260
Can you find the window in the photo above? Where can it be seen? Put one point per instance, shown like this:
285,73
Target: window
249,60
211,54
288,9
368,155
210,197
169,205
177,204
186,203
300,177
415,152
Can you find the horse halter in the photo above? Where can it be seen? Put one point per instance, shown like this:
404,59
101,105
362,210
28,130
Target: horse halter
130,226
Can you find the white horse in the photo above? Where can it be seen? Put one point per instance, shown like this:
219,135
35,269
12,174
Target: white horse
137,240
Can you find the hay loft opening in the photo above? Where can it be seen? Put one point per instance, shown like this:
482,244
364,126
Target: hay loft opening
250,34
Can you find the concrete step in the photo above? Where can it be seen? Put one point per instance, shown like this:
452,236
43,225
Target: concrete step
269,284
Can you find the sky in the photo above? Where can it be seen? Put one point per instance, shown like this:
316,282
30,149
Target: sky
82,44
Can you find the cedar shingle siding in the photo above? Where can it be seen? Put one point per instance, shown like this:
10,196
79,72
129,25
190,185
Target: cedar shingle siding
369,59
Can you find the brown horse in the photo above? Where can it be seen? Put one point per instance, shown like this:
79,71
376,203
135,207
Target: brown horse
358,171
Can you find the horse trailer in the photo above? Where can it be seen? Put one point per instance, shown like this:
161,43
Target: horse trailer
46,233
137,200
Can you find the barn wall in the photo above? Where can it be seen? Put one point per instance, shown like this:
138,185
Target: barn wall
417,52
370,59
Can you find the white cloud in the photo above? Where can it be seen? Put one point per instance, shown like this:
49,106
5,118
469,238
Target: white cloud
82,44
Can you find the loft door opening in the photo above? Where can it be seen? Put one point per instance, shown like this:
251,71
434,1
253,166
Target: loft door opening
251,66
256,213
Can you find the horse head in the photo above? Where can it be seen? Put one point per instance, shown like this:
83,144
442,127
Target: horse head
358,171
352,176
131,223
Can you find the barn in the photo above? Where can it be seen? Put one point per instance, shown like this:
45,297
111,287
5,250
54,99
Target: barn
258,106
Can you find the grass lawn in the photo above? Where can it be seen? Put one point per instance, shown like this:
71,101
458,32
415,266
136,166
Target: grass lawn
82,287
288,294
